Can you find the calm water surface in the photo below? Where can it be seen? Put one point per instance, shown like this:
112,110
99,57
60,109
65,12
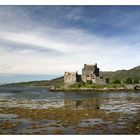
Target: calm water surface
31,97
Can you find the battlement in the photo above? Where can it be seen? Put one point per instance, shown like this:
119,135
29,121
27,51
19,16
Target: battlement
70,73
90,65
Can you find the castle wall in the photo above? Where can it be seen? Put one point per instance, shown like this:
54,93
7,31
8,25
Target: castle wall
100,80
70,78
89,73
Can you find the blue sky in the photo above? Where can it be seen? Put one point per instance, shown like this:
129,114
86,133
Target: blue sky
48,40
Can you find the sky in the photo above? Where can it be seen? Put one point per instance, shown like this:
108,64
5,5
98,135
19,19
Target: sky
42,42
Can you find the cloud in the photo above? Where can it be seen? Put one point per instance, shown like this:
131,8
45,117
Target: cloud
50,40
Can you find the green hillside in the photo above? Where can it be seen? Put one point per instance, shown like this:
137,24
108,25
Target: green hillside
45,83
133,73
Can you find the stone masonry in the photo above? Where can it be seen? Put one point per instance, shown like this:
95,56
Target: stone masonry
89,73
71,78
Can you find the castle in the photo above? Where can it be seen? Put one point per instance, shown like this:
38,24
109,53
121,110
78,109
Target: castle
89,73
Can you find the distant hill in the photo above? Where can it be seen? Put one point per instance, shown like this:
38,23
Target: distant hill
133,73
44,83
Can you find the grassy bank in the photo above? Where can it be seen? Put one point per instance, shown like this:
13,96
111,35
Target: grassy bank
97,87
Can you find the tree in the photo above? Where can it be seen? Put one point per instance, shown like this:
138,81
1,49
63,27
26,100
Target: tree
116,82
128,81
89,81
136,81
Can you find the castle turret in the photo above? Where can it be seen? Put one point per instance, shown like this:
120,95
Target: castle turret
71,78
90,72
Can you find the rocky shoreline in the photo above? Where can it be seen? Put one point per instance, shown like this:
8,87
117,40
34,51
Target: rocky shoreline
92,89
62,121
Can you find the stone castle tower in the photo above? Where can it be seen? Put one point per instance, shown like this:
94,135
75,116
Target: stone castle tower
71,78
89,73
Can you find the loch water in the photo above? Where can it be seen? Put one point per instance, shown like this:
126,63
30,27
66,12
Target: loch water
126,104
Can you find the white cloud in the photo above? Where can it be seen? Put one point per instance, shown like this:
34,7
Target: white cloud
81,48
74,46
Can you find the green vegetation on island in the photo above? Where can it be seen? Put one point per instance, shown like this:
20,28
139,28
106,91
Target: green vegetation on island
98,86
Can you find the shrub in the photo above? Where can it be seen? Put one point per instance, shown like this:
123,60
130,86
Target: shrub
76,85
136,81
116,82
128,81
89,82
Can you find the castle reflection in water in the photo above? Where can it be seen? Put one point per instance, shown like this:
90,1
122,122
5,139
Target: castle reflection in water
82,104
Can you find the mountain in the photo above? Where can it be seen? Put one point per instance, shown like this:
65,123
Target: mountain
133,73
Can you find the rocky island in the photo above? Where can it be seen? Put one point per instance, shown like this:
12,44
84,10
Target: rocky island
91,80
